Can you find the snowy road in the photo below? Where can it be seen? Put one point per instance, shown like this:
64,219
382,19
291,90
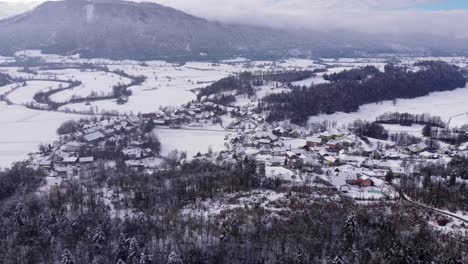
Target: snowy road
405,198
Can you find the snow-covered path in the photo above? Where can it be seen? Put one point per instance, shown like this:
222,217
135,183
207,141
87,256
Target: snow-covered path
444,212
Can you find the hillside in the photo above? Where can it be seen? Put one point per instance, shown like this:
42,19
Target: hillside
120,29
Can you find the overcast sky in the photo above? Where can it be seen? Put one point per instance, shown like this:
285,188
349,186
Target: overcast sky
448,17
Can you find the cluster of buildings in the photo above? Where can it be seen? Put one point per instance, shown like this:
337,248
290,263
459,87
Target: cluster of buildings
194,114
108,139
354,165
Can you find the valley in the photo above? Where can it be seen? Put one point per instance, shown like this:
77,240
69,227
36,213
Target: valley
169,85
233,132
123,124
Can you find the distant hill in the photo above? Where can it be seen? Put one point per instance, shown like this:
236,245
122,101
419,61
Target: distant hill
119,29
127,30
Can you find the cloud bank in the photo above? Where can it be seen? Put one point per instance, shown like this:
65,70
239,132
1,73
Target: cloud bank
394,17
369,16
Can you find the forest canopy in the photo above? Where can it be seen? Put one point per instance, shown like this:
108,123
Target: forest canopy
244,82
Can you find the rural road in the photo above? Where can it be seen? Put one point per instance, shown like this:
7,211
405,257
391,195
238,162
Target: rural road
405,198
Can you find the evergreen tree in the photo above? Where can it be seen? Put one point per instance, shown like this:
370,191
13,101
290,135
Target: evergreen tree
145,257
194,256
67,257
452,179
280,258
427,131
19,216
338,260
389,177
99,238
299,258
132,251
427,180
149,126
173,258
350,229
122,247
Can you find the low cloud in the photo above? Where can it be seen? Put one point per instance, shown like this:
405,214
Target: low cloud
367,16
370,16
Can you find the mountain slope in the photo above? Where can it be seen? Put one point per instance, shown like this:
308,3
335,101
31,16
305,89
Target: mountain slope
127,30
119,29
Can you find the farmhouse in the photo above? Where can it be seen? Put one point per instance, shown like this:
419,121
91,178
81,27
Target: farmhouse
313,141
360,182
70,160
72,146
93,137
417,148
86,159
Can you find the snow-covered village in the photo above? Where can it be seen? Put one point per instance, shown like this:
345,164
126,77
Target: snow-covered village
149,135
369,158
386,158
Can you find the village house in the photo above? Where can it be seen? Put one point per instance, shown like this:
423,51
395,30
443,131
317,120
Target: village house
313,142
280,131
332,145
277,161
136,153
70,160
417,148
266,135
46,164
149,116
86,160
94,137
72,146
360,182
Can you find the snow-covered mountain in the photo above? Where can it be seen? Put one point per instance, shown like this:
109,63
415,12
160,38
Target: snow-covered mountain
121,29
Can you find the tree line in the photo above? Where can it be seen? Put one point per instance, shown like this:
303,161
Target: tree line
407,119
452,136
359,74
4,79
240,83
244,82
369,129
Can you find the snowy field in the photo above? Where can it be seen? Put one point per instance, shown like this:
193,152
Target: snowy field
24,129
191,141
25,94
443,104
170,84
4,90
309,81
96,83
16,72
166,85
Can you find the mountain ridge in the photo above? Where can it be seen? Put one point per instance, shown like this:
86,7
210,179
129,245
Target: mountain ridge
122,29
144,31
